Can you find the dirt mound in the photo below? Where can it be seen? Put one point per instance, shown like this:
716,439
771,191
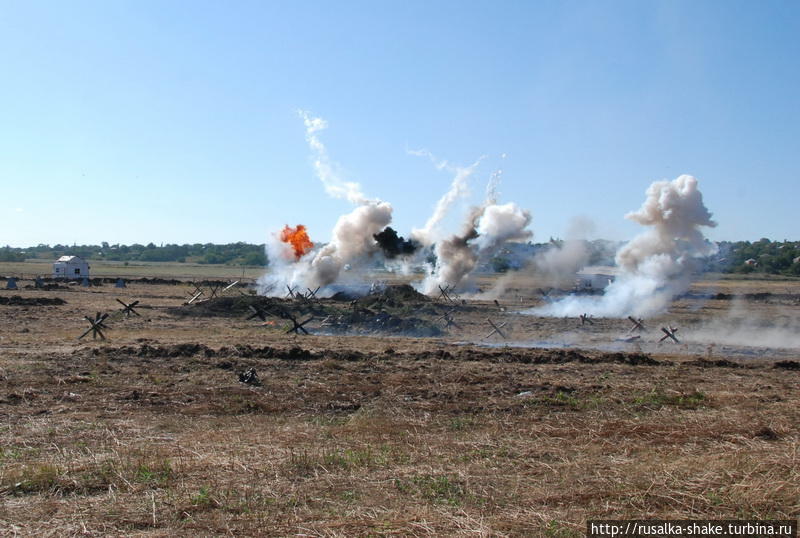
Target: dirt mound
145,280
393,297
16,300
48,287
715,363
365,321
235,306
762,297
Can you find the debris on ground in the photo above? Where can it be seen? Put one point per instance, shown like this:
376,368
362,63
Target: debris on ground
250,377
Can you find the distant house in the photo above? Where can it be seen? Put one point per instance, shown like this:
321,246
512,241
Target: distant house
594,278
70,267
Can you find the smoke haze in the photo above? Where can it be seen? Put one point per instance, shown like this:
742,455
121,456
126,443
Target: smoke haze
656,265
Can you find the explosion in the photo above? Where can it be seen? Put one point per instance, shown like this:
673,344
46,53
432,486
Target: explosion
394,245
485,230
353,242
657,264
298,238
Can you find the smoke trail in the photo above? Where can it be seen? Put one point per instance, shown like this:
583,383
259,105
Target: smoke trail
657,264
352,239
324,167
459,188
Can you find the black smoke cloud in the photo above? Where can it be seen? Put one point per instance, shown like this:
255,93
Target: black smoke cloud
393,245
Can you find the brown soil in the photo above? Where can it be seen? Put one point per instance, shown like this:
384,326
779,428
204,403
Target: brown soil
151,432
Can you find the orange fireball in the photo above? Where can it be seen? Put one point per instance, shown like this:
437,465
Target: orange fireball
298,238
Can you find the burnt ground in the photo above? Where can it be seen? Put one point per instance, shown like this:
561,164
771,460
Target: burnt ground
371,431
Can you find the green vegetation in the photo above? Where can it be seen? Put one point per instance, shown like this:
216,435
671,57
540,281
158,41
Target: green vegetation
208,253
740,257
8,254
763,256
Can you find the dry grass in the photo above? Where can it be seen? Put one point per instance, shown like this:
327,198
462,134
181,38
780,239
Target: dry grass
425,438
140,269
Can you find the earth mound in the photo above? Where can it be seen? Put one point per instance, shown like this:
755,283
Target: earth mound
16,300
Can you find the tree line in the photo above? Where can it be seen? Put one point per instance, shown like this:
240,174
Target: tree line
762,256
231,253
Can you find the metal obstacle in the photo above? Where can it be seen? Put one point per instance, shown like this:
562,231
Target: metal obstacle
312,294
444,293
496,329
629,339
194,297
297,326
229,286
214,288
128,309
447,317
257,312
197,289
669,332
638,324
96,326
586,318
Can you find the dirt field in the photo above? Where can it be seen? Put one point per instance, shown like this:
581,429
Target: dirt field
30,268
356,430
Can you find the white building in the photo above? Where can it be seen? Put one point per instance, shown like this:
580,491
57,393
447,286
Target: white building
70,267
595,278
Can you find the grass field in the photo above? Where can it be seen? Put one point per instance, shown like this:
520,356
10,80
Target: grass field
151,433
140,269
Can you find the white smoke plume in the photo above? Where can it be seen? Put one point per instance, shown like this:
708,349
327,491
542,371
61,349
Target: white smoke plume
656,265
459,188
742,326
486,229
352,241
499,224
560,261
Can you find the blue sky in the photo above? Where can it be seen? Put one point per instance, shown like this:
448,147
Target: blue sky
176,121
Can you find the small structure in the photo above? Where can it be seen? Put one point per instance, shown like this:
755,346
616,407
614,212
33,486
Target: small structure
588,280
71,267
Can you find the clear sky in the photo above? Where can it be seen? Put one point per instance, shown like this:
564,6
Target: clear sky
177,121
